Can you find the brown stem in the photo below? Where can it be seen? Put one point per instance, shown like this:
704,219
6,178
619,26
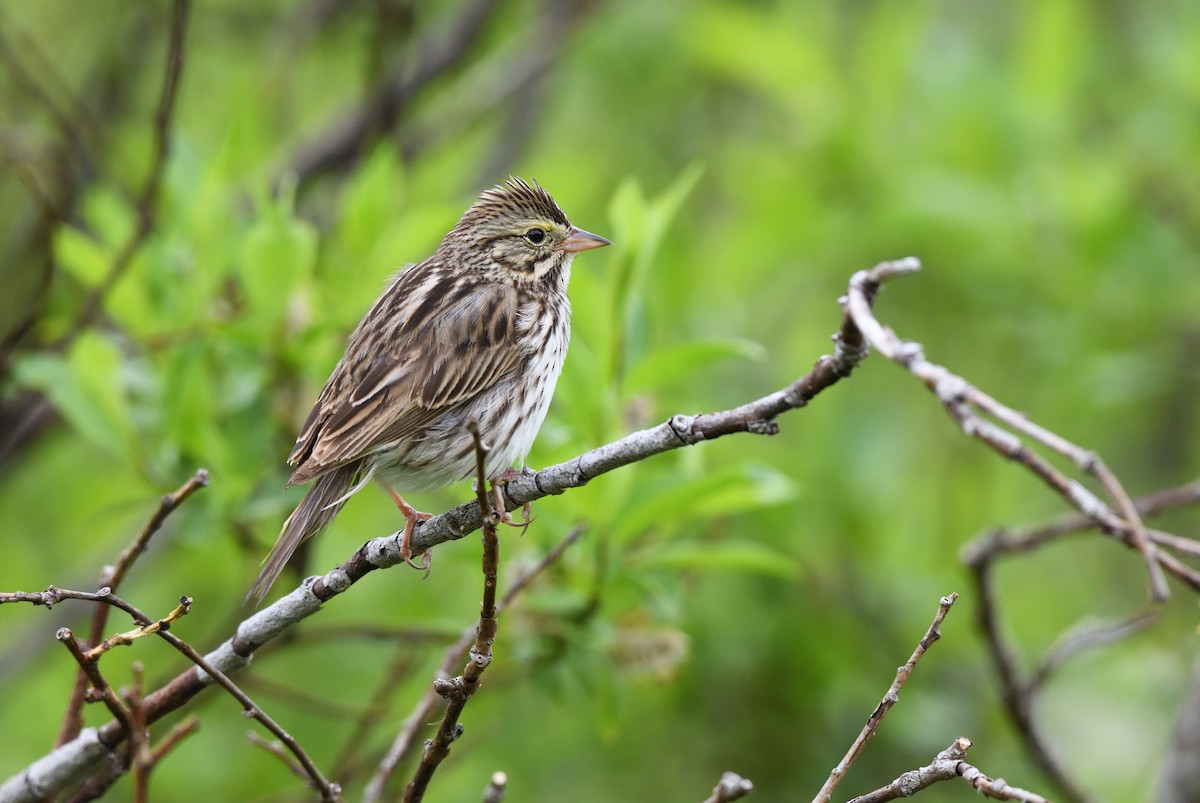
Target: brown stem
459,690
112,577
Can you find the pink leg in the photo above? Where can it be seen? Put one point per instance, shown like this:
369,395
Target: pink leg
497,494
411,517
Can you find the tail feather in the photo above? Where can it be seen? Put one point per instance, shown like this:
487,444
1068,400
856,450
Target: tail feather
322,502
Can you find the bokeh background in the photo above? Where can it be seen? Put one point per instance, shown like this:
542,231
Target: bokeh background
741,605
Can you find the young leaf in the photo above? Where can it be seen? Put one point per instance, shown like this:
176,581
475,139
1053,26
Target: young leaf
86,388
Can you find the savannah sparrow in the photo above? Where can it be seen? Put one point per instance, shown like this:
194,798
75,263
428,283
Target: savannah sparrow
478,331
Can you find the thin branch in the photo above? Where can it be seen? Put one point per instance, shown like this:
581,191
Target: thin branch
147,199
958,397
328,791
278,751
111,578
138,737
1007,542
947,765
177,734
755,417
1016,701
455,655
1017,693
154,628
458,691
731,787
155,705
1082,639
102,690
889,699
166,506
73,759
351,132
497,785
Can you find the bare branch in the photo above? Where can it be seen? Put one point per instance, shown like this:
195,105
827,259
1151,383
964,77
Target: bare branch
731,787
1017,693
946,765
1013,693
102,690
352,131
169,697
111,578
130,636
74,758
889,699
496,788
1083,638
147,198
958,397
458,691
280,752
424,709
1005,542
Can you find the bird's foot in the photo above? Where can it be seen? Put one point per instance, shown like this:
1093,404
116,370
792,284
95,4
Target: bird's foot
411,517
504,516
406,542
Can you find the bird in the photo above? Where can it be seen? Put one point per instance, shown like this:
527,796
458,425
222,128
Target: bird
477,332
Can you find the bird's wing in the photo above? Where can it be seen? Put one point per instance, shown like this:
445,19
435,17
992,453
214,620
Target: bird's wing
424,347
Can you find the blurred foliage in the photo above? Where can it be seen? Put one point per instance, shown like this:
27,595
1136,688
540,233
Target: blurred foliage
740,605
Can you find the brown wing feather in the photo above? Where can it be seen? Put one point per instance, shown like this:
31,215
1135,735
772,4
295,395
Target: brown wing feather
448,340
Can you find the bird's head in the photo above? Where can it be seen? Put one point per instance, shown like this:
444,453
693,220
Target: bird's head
518,229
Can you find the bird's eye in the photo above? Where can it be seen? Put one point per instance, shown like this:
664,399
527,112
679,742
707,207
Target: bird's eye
535,236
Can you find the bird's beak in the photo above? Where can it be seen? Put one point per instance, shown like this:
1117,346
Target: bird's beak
580,240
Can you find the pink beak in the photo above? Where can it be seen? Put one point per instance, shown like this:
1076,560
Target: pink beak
580,240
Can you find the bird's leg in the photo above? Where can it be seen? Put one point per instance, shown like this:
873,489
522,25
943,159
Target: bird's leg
411,517
498,494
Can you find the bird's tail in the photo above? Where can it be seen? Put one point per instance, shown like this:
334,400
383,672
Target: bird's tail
322,502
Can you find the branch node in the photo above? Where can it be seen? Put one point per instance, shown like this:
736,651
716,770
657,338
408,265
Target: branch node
684,428
759,427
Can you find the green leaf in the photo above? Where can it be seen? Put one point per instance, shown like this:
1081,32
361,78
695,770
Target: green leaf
279,253
672,363
110,214
733,489
645,224
87,389
735,556
372,200
187,397
82,256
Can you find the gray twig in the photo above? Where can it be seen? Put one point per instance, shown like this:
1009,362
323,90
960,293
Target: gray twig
946,765
889,699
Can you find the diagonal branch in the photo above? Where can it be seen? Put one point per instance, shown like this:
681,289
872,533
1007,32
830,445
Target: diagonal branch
959,398
73,760
352,132
147,198
111,578
946,765
889,699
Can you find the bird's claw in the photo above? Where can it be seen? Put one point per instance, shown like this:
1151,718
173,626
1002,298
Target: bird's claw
523,524
410,519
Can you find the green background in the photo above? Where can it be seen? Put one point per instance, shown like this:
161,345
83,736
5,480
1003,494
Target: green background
741,605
